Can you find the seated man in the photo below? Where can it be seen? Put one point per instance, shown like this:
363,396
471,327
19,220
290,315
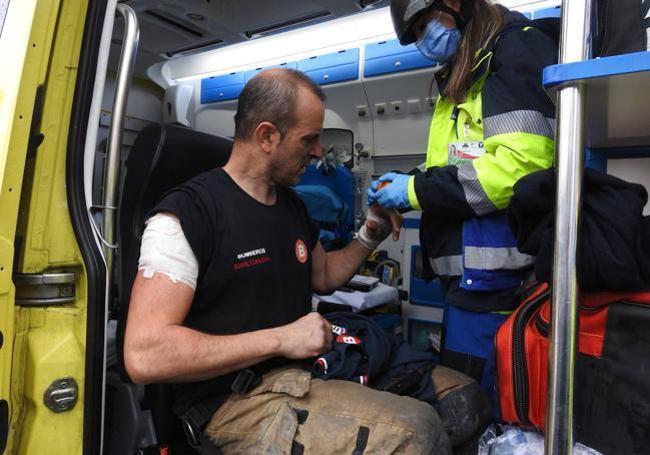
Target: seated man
222,298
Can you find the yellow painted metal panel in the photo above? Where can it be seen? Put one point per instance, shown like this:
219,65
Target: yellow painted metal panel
44,40
53,351
15,117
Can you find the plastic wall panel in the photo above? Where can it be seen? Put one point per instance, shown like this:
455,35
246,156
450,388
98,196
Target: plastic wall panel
217,118
215,94
227,79
249,74
547,12
410,238
331,68
222,88
401,110
387,57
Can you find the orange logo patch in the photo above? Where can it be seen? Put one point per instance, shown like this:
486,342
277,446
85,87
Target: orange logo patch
301,251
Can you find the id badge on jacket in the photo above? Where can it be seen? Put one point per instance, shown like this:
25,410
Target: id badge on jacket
463,152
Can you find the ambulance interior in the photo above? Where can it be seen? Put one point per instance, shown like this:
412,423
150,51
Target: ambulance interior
193,59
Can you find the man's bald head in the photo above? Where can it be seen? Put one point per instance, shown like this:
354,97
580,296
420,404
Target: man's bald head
271,97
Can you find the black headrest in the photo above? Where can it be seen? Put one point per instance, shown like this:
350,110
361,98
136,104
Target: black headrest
162,157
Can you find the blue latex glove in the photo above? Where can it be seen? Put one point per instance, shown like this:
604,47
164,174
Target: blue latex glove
393,196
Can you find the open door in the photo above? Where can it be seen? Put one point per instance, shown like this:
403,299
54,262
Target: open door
43,287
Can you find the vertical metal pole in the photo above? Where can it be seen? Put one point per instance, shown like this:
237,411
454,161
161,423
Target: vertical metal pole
569,163
112,166
114,145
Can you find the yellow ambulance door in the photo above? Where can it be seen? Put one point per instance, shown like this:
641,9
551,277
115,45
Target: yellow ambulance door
42,278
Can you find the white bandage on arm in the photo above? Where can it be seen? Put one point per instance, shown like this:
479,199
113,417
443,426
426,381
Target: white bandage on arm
369,239
164,249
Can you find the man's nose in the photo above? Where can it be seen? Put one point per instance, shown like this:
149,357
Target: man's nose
317,152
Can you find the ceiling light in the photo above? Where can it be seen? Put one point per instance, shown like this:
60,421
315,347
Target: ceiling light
331,36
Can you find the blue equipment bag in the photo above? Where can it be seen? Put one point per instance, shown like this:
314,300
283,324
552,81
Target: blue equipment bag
329,198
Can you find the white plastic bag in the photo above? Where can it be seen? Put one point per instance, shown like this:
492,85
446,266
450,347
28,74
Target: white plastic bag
509,440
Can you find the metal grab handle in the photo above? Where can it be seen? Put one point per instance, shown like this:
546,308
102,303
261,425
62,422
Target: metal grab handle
569,163
114,145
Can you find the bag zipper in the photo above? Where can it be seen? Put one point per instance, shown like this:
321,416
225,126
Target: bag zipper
544,328
520,372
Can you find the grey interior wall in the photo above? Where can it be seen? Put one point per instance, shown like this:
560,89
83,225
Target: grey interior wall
143,107
218,118
401,107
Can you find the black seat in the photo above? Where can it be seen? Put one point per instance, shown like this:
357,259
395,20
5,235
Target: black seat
162,157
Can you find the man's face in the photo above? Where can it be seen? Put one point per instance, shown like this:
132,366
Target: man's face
301,142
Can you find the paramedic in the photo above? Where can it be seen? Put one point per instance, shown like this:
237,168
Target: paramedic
492,124
227,265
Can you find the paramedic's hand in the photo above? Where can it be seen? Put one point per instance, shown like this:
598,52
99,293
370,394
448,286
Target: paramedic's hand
391,196
309,336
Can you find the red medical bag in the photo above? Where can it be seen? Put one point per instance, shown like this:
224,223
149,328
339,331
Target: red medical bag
612,370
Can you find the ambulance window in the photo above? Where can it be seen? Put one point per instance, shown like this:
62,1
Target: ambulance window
4,5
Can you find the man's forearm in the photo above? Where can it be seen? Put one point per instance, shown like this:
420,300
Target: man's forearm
180,354
341,265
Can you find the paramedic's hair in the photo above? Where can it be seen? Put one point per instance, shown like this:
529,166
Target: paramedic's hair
484,24
271,97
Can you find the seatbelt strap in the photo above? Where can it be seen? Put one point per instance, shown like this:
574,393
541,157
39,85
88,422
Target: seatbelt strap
206,446
199,414
195,419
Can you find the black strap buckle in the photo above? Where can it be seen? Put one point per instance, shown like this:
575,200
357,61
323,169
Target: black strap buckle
191,434
245,381
197,416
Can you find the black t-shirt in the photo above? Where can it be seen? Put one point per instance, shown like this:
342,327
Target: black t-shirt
254,259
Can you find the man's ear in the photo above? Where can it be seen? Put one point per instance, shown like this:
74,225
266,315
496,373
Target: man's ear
267,136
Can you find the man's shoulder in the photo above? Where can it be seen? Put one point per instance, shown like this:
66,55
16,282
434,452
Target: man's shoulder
195,194
204,180
206,187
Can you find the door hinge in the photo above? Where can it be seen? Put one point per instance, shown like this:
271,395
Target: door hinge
44,289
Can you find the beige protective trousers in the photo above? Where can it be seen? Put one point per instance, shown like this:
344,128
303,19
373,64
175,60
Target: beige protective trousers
290,413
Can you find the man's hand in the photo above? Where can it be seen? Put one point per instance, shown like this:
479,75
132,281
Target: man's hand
378,229
309,336
379,224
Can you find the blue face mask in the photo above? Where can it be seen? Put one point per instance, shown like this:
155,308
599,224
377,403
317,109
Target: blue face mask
439,43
